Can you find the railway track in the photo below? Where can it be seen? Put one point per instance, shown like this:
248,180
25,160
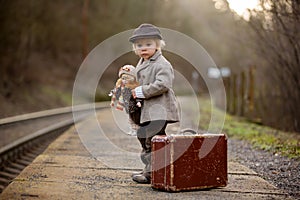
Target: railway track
26,136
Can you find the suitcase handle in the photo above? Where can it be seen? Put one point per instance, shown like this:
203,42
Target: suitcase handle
188,130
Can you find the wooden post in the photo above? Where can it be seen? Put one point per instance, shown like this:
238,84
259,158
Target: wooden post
234,94
251,89
242,93
226,81
231,93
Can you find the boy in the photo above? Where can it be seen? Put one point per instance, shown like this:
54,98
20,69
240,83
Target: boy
155,76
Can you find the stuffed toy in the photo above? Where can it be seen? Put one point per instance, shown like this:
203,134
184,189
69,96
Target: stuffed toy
121,96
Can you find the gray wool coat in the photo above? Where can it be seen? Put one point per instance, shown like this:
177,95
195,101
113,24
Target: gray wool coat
156,77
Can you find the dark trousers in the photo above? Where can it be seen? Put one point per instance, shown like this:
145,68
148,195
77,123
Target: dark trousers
145,133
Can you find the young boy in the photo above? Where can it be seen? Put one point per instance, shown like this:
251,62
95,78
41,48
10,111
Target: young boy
155,76
120,95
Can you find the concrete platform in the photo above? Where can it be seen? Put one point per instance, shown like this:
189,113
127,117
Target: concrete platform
95,161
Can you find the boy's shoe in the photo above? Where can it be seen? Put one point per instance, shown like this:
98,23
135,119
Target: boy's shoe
136,173
140,178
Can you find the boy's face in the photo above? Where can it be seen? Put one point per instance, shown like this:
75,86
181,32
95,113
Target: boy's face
145,48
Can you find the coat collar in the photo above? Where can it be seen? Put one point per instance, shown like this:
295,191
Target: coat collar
143,64
155,56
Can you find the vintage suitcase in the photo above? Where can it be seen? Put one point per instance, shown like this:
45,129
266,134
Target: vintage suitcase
189,162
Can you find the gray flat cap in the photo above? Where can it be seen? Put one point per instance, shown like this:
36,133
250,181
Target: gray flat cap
145,31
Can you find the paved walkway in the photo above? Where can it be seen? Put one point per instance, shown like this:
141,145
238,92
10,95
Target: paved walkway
95,161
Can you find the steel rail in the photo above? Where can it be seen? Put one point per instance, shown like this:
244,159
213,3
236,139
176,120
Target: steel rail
52,112
14,157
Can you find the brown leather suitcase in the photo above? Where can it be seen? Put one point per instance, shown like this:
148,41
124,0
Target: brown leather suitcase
189,162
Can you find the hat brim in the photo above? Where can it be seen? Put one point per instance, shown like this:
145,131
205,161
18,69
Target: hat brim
137,37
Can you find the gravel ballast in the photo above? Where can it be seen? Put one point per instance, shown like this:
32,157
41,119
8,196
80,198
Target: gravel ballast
280,171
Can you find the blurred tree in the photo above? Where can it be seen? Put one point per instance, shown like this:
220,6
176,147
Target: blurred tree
85,10
34,27
277,28
41,41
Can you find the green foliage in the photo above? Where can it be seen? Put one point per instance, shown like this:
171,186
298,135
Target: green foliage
261,137
53,93
101,96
